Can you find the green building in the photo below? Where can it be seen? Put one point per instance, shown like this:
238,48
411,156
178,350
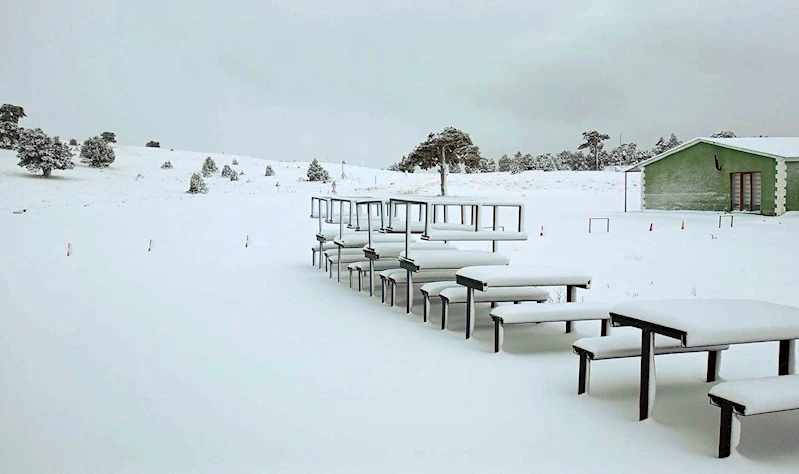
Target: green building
758,175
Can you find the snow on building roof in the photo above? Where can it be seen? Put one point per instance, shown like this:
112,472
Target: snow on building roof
785,148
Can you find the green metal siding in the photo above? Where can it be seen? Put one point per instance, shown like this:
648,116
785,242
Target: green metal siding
792,188
688,179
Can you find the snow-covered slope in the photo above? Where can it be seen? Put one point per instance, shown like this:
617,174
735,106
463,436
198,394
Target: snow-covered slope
202,355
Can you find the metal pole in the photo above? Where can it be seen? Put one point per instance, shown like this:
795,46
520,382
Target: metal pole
625,191
371,262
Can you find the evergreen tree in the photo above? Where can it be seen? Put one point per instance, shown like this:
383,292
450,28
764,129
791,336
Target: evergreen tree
723,134
317,173
197,185
37,151
73,142
9,135
97,153
109,137
11,113
227,171
663,145
235,162
504,164
209,167
153,144
593,142
167,165
574,161
445,149
269,171
234,176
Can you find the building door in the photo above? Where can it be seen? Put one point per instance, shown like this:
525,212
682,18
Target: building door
745,192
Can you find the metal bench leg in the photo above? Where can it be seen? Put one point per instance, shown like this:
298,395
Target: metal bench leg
382,291
713,365
371,278
360,280
321,254
568,327
425,307
605,329
350,278
338,267
409,297
313,257
393,293
499,335
646,396
725,430
444,311
584,376
470,315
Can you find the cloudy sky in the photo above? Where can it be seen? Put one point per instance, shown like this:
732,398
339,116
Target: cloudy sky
367,80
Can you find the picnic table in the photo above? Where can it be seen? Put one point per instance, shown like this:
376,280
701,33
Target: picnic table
705,322
495,276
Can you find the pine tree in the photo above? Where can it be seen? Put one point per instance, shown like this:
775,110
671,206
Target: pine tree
197,185
723,134
663,145
167,165
235,162
9,135
317,173
445,149
227,171
209,167
97,153
593,141
37,151
153,144
269,171
109,137
11,113
234,176
504,164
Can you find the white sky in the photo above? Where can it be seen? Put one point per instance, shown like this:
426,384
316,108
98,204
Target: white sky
367,80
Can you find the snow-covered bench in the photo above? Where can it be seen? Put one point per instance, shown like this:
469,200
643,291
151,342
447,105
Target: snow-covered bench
548,313
361,267
384,282
492,295
751,397
359,241
624,346
476,236
401,278
433,290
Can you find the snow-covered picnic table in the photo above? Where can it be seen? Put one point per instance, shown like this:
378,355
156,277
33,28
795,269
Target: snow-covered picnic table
392,250
705,322
496,276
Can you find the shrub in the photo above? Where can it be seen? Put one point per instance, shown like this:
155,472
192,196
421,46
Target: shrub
96,153
209,167
153,144
269,171
235,162
37,151
234,176
317,173
109,137
73,142
197,185
226,171
167,165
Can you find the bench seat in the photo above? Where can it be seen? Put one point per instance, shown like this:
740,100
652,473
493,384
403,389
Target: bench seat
474,236
362,268
752,397
491,295
401,278
432,290
548,313
629,345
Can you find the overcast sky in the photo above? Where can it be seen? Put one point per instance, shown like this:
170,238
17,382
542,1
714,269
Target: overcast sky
367,80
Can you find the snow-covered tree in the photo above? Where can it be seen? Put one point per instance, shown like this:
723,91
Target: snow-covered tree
227,171
73,142
109,137
403,166
723,134
504,164
445,149
317,173
209,167
269,171
234,176
197,185
167,165
9,135
153,144
38,152
235,162
97,153
664,145
626,154
574,161
11,113
484,165
593,142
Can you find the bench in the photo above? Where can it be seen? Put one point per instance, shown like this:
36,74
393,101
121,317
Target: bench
401,278
752,397
332,260
362,268
432,290
492,295
384,275
624,346
547,313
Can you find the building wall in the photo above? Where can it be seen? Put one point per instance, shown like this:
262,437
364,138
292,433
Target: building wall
792,188
688,179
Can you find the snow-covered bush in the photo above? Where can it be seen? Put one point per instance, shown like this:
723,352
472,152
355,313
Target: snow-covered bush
153,144
235,162
167,165
317,173
37,151
269,171
209,167
96,153
226,171
234,176
197,185
109,137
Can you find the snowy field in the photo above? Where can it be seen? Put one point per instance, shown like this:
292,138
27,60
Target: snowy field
205,356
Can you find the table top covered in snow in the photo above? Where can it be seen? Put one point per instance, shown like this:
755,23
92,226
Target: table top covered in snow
457,201
524,275
393,249
700,322
360,239
435,259
472,235
762,395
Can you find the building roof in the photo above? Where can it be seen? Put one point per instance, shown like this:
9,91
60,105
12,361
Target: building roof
781,148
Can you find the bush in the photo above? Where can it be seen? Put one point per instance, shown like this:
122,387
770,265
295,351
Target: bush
235,162
269,171
73,142
234,176
317,173
167,165
96,153
226,171
209,167
37,151
153,144
109,137
197,185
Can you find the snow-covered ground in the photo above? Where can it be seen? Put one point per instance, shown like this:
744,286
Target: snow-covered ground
206,356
